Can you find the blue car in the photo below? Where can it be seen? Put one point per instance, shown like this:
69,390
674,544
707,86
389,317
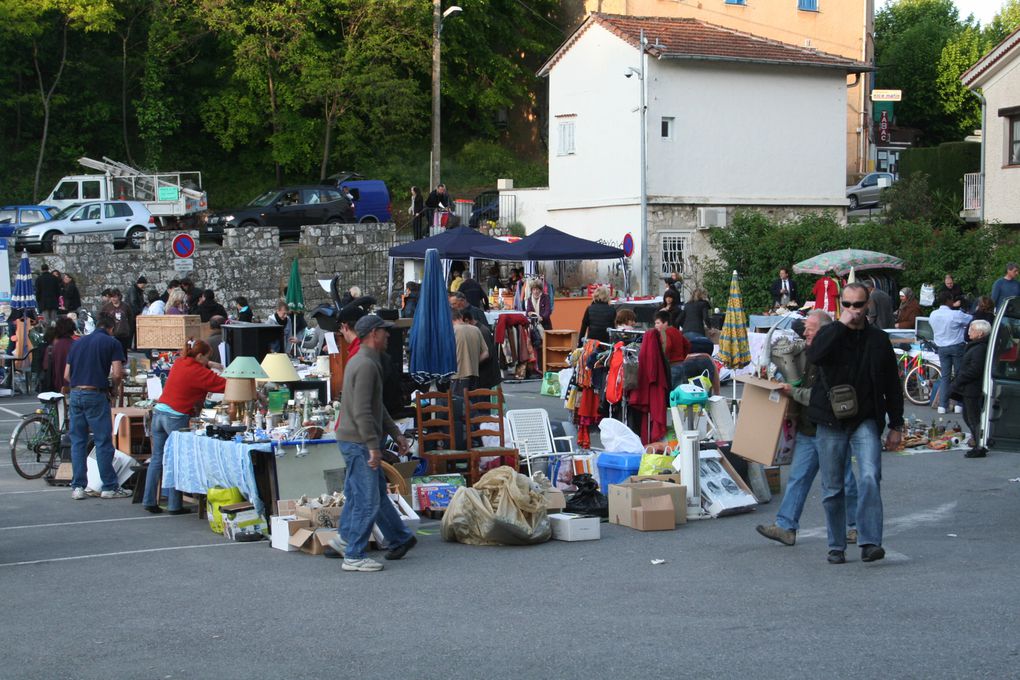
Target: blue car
14,216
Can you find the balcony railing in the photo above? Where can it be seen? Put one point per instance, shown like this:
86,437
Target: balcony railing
973,191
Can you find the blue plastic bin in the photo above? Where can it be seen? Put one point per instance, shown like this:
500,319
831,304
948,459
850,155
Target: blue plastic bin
615,467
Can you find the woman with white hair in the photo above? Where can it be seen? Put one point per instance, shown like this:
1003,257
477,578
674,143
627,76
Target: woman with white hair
968,383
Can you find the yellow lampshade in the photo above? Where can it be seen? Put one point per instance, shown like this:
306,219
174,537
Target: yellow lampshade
239,390
279,368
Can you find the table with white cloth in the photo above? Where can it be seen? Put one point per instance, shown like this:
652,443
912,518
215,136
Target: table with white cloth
194,464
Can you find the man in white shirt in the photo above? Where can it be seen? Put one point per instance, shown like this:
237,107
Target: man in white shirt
950,330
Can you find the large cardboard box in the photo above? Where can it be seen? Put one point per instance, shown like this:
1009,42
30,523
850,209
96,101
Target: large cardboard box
623,498
571,527
282,529
655,513
319,517
312,541
723,492
760,422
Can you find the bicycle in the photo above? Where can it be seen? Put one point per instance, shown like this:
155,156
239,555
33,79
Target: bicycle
35,442
920,375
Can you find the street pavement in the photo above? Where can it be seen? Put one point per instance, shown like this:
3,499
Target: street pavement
101,589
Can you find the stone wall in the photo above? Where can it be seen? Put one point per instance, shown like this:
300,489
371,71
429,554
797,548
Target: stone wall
251,262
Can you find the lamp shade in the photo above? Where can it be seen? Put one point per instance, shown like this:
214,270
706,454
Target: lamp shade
239,390
244,367
278,368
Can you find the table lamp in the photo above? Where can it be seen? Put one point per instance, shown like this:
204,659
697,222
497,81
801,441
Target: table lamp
241,375
278,368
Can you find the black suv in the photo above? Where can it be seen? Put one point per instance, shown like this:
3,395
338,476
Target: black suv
287,209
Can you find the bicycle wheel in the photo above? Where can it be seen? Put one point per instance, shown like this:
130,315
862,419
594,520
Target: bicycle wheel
921,382
34,446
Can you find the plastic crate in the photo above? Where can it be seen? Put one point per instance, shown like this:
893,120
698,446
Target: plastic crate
615,468
169,331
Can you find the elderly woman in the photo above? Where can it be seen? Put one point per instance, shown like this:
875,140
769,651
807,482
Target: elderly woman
537,303
909,309
598,317
969,380
186,387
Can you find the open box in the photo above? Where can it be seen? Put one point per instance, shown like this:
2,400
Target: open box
763,429
625,497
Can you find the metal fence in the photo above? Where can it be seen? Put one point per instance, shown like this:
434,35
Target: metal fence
973,190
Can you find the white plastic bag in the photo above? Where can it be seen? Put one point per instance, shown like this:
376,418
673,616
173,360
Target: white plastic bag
618,437
121,466
927,297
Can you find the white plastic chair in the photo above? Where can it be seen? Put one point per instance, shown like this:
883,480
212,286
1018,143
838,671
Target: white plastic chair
530,431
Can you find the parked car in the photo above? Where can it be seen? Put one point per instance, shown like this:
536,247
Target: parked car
126,220
288,209
14,216
869,190
486,208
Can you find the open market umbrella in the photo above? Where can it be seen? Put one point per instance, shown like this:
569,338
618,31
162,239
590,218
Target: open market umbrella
734,350
23,297
433,350
295,298
841,261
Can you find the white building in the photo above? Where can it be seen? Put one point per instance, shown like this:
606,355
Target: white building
733,121
994,194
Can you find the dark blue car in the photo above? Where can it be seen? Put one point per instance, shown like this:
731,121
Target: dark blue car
14,216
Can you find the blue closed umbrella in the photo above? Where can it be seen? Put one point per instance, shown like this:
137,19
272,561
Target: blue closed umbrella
23,296
433,350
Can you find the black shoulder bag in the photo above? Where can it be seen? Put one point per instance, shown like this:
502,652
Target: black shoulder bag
843,398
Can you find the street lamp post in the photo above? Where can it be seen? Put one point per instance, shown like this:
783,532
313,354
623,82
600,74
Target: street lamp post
438,16
643,109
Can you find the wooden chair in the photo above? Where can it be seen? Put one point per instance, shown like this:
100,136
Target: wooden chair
436,433
483,417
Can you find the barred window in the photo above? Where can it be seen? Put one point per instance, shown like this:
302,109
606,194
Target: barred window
675,249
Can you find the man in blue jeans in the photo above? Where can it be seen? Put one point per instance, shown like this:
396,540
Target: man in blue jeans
851,353
364,423
949,327
805,456
95,368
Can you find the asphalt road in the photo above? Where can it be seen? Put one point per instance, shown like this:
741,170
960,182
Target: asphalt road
100,589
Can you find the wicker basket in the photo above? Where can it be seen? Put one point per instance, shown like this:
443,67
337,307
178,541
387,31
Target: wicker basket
169,331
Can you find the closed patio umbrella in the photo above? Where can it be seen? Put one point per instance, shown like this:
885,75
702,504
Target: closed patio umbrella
433,350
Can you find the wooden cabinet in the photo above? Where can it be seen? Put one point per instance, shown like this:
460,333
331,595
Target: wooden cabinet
556,347
129,434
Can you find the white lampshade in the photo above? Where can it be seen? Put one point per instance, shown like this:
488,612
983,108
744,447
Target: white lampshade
239,390
279,368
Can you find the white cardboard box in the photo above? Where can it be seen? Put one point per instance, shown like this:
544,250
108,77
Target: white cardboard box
283,527
569,527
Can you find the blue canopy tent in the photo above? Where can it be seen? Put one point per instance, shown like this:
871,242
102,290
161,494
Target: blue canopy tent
549,244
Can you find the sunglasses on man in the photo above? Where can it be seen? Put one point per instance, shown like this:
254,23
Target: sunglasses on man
855,305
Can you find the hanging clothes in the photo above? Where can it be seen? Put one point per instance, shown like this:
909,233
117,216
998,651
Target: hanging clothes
614,382
650,398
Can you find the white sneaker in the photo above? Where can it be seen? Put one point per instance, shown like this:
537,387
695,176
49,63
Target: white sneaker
364,564
958,409
119,492
942,410
78,494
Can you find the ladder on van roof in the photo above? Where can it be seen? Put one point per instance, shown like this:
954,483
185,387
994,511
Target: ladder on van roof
117,169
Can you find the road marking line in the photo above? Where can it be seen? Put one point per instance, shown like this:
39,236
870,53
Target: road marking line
13,413
87,521
125,552
11,493
897,525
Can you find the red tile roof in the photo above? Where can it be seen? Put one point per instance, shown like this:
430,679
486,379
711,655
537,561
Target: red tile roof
692,39
974,76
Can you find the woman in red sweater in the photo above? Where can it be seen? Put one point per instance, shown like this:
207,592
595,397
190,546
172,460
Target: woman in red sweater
186,387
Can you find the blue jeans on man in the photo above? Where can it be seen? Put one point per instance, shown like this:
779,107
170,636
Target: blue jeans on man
163,424
835,445
803,470
949,361
366,504
90,410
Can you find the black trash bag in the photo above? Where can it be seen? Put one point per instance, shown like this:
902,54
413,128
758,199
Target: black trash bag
588,500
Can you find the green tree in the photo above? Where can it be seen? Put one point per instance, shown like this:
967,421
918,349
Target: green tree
961,108
1005,21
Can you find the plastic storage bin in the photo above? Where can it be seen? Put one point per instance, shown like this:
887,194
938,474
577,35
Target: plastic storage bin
615,467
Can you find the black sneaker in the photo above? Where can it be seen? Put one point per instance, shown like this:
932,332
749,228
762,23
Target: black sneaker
401,550
837,557
154,509
872,553
179,511
976,452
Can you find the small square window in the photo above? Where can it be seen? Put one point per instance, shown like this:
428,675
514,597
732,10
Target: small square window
808,5
666,127
565,146
675,250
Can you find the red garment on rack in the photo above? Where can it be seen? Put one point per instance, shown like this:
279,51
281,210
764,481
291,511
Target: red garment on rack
508,320
650,396
614,384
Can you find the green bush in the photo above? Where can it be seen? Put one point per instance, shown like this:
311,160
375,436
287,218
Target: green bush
945,165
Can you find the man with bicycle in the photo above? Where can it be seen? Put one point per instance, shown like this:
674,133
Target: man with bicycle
856,394
94,371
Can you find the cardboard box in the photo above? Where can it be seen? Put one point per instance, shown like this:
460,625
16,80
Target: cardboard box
656,513
243,522
760,421
282,528
65,473
723,492
406,512
554,499
434,496
452,479
623,498
570,527
312,541
319,517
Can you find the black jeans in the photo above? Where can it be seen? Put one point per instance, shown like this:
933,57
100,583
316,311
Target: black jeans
972,416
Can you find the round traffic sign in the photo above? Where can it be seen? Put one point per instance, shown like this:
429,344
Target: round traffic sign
628,245
183,245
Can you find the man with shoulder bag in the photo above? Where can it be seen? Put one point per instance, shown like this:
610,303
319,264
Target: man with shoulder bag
856,395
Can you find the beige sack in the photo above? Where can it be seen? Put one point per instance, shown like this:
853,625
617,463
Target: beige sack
501,509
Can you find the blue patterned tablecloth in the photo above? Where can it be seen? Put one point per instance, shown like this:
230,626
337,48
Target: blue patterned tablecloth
194,464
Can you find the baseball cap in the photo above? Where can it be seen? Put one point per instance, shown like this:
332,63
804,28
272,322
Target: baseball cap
369,323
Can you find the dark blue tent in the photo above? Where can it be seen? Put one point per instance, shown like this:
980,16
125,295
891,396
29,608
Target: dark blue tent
458,243
548,244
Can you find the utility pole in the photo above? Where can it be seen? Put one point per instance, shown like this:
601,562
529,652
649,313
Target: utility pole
437,27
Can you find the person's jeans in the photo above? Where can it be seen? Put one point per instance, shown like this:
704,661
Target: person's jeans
90,410
366,504
949,359
834,446
162,425
802,475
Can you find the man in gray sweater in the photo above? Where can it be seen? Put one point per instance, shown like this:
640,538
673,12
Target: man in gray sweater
364,423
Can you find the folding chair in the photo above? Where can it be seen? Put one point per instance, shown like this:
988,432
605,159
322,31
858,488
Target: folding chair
531,432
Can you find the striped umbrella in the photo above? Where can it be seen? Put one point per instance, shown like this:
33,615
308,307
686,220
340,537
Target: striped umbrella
23,296
734,350
433,350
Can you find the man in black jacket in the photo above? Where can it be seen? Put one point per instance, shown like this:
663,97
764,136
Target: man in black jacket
783,287
47,293
852,352
136,296
968,383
